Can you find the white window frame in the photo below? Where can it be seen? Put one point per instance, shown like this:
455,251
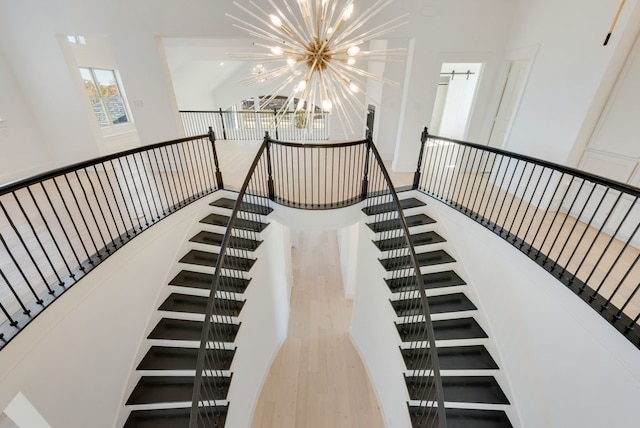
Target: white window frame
106,111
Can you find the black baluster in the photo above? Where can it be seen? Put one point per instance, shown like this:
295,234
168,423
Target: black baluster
416,175
25,311
22,274
212,139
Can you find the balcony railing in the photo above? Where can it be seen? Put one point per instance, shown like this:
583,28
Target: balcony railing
367,181
252,125
58,226
581,228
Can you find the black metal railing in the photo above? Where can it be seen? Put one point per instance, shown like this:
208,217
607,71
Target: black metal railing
58,226
252,125
404,268
267,180
244,226
318,176
581,228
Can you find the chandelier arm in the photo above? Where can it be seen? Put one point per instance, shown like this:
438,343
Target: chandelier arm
270,75
328,20
369,75
346,94
378,31
306,16
293,27
275,93
282,31
343,111
345,75
252,14
392,51
263,34
294,23
362,19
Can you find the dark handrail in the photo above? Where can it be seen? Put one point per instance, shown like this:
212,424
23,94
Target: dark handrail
268,145
57,226
420,283
25,182
580,227
623,187
318,145
204,337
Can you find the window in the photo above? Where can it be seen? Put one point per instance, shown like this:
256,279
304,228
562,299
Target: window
106,97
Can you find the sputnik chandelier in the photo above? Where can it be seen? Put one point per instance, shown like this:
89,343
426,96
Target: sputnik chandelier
316,52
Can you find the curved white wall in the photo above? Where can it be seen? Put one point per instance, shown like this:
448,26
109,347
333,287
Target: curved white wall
565,366
73,361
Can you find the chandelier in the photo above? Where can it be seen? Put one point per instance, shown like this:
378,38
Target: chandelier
317,52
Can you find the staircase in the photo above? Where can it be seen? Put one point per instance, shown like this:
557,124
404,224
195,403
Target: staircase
162,396
472,395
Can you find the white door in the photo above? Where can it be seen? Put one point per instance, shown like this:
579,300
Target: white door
438,106
511,94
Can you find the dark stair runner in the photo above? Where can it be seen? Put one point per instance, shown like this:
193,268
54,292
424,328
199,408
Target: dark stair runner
450,303
176,390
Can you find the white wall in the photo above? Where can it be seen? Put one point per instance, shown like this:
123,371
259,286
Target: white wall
572,73
459,101
613,150
457,31
265,318
18,129
74,360
559,356
373,331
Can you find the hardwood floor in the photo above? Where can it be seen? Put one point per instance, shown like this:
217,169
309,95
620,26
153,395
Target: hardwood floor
317,379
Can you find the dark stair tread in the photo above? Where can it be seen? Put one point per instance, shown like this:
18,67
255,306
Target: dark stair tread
176,389
451,358
170,358
461,328
431,280
205,258
241,223
391,207
429,258
437,305
169,418
172,329
212,238
198,305
458,389
186,278
244,206
465,418
412,221
425,238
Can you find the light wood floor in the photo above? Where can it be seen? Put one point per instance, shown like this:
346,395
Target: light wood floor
318,379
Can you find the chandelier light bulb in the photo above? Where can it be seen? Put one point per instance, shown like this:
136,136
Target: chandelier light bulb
275,20
302,85
277,50
291,61
351,61
327,105
353,51
354,88
348,11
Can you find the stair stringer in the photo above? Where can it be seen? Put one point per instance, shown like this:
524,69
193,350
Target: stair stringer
265,320
197,211
480,315
372,329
